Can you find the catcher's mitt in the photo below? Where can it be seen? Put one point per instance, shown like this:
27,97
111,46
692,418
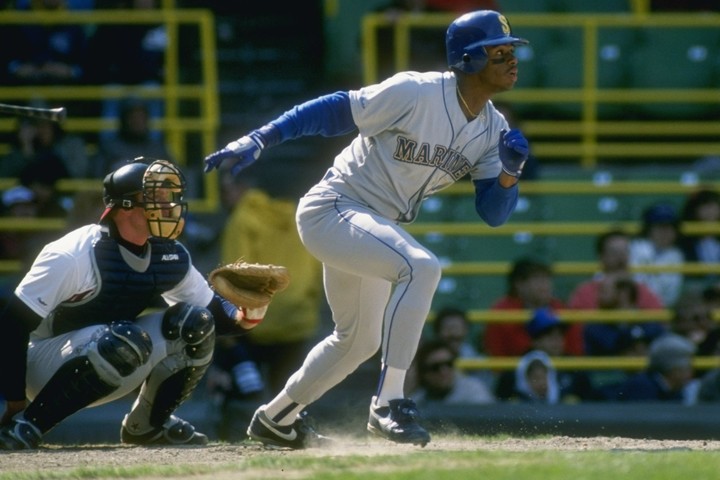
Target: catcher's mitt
249,285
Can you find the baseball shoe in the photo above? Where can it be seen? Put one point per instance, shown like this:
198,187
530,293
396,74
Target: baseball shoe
175,431
301,434
19,435
398,422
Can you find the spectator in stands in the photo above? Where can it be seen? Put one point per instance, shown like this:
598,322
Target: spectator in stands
17,202
535,379
657,245
612,249
617,292
440,381
452,326
547,332
702,206
529,286
668,377
41,176
35,139
132,139
44,53
692,318
129,54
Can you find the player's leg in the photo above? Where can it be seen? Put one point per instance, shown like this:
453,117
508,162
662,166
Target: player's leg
352,342
371,246
184,336
78,369
349,238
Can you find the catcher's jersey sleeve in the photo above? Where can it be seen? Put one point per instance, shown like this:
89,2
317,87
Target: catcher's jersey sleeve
193,289
62,271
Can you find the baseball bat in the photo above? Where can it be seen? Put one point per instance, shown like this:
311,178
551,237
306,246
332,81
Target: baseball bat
52,114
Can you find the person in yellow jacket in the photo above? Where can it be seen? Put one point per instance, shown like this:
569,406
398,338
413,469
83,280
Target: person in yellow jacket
261,229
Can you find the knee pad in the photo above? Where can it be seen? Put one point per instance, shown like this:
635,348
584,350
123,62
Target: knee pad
193,325
125,346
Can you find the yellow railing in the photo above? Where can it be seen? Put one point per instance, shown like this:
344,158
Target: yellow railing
577,363
174,123
583,138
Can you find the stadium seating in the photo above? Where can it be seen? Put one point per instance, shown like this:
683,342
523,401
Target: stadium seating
676,58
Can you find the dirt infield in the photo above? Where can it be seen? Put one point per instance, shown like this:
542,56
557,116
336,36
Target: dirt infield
63,458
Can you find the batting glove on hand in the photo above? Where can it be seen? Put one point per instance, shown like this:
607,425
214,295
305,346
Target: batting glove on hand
513,149
245,150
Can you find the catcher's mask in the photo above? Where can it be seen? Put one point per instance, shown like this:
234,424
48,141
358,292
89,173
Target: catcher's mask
155,185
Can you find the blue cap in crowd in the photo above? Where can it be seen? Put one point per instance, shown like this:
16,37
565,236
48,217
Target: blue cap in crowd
542,321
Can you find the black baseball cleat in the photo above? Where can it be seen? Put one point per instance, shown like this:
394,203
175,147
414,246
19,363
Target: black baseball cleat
19,435
398,422
175,431
301,434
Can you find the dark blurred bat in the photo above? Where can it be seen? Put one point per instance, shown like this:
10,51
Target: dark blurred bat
52,114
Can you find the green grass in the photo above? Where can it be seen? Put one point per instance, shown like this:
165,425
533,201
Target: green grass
487,463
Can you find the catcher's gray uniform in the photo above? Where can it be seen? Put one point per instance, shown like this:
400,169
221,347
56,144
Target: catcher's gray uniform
414,140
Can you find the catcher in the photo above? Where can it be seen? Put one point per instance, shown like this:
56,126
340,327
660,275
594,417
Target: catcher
82,327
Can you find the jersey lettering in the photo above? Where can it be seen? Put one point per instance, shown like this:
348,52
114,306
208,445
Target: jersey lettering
446,159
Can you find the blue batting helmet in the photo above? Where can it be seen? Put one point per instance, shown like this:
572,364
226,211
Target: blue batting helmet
468,35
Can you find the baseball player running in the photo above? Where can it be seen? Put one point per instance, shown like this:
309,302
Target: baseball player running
418,133
81,307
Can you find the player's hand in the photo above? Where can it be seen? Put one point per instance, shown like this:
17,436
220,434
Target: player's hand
244,151
11,409
513,149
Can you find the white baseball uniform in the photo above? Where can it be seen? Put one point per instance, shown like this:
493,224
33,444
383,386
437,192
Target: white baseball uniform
413,141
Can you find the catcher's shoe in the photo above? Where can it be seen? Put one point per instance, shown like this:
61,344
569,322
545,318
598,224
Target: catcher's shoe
301,434
175,431
19,435
397,422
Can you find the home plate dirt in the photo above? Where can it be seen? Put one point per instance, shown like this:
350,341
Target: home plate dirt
57,458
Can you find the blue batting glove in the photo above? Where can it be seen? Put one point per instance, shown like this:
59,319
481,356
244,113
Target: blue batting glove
513,149
244,150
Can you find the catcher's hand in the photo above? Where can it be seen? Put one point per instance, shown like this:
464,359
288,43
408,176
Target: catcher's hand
249,285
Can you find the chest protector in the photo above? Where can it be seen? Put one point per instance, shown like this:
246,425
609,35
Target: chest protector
124,292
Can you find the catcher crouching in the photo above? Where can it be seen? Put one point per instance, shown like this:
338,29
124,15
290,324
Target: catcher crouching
83,327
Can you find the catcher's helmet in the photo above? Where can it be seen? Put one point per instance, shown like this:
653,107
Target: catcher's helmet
162,186
467,37
120,188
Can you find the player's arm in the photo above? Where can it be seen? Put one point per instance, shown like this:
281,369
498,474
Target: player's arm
496,198
328,115
494,202
17,321
232,320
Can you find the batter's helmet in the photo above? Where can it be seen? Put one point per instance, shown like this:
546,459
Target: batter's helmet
468,35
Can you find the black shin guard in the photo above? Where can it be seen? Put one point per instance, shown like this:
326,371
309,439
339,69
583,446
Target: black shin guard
173,391
74,386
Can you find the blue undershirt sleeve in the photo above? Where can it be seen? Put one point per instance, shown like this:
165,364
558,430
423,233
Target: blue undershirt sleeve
329,115
493,202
